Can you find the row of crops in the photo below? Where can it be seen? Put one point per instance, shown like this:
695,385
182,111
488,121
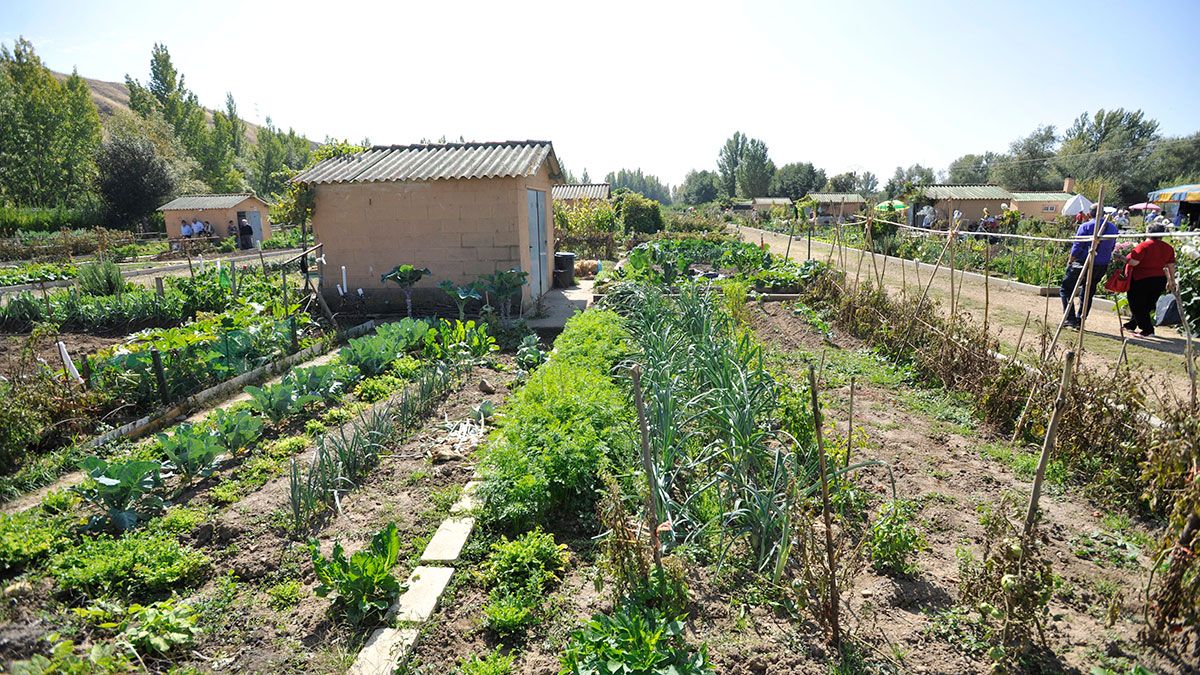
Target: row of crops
107,564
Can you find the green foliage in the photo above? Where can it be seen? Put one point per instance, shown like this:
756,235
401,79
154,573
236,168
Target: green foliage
626,180
894,540
405,276
374,389
371,354
134,565
501,286
179,520
26,536
406,368
102,659
458,340
33,272
491,663
364,585
328,381
285,594
159,628
122,491
461,295
699,187
530,354
511,614
191,450
236,428
639,214
632,640
596,339
754,170
278,401
100,278
532,560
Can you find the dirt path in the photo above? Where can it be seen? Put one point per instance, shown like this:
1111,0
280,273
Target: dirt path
1008,307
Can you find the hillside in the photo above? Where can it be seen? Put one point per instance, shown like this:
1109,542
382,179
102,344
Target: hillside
111,97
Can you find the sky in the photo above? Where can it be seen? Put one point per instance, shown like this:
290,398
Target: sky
848,85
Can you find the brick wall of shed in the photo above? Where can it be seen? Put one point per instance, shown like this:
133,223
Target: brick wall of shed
1030,209
459,229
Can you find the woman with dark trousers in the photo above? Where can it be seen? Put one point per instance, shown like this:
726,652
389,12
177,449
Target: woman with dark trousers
1148,262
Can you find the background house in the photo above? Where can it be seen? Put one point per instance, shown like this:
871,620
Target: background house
763,205
461,209
1042,205
218,209
830,205
568,194
971,200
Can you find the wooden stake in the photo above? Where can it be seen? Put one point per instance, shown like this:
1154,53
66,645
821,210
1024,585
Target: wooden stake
158,286
834,602
647,466
233,280
1060,403
1021,337
191,271
987,278
1187,335
263,261
953,247
850,425
1086,303
160,376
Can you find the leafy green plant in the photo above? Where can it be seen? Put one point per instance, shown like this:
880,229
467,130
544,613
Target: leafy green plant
363,584
26,536
532,560
101,659
491,663
502,286
405,276
894,540
483,412
236,428
101,278
459,340
377,388
529,353
122,491
406,368
633,640
137,563
511,614
159,628
285,594
328,381
278,401
461,295
191,450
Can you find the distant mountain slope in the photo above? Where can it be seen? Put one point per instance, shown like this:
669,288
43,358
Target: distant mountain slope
111,97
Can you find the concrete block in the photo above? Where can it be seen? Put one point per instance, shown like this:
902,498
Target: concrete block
447,543
425,587
383,651
466,501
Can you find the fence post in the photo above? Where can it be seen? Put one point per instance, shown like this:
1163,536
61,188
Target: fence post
158,286
160,376
233,281
1060,402
834,601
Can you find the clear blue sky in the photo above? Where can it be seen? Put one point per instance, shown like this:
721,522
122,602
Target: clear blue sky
848,85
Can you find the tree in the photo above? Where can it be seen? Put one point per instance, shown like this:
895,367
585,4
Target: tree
796,180
167,93
699,187
276,157
843,182
585,178
971,168
1112,144
905,180
727,163
643,183
639,214
134,178
237,128
754,170
1175,161
296,203
866,182
49,132
1027,166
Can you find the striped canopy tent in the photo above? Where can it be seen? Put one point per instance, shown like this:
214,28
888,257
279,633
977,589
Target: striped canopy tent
1179,193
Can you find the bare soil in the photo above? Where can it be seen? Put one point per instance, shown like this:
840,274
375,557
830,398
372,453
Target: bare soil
938,464
79,345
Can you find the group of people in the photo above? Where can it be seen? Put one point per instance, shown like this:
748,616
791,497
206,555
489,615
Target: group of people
198,229
1147,265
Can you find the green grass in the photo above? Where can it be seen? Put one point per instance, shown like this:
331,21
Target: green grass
944,406
1024,463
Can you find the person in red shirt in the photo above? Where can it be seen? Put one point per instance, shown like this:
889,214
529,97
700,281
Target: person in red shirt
1148,263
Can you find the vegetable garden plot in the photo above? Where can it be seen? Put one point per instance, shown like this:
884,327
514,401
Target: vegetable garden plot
194,535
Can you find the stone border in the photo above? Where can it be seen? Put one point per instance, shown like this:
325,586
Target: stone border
387,648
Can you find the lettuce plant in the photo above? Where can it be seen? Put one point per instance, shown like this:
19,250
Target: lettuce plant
363,584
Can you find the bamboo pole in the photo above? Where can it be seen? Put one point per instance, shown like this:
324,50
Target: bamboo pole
1086,304
953,247
850,425
834,602
652,516
987,279
1060,403
1021,337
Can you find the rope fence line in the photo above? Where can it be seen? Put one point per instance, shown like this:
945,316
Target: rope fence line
1027,237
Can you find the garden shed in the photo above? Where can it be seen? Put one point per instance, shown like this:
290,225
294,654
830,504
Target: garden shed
764,205
221,210
1042,205
570,193
971,200
462,210
830,205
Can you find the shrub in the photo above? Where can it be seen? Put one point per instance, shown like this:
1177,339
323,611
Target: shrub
633,640
640,214
136,564
26,536
364,584
122,491
100,278
894,540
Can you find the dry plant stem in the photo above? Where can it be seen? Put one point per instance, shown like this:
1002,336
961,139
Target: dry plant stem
1021,337
834,603
1121,358
987,279
850,426
1060,403
871,247
925,292
647,466
1187,335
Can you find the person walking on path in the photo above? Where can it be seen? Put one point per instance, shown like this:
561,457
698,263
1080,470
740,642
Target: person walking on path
1148,264
1076,268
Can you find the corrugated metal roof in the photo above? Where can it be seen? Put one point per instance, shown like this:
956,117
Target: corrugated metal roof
835,197
773,201
582,191
1041,196
937,192
203,202
387,163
